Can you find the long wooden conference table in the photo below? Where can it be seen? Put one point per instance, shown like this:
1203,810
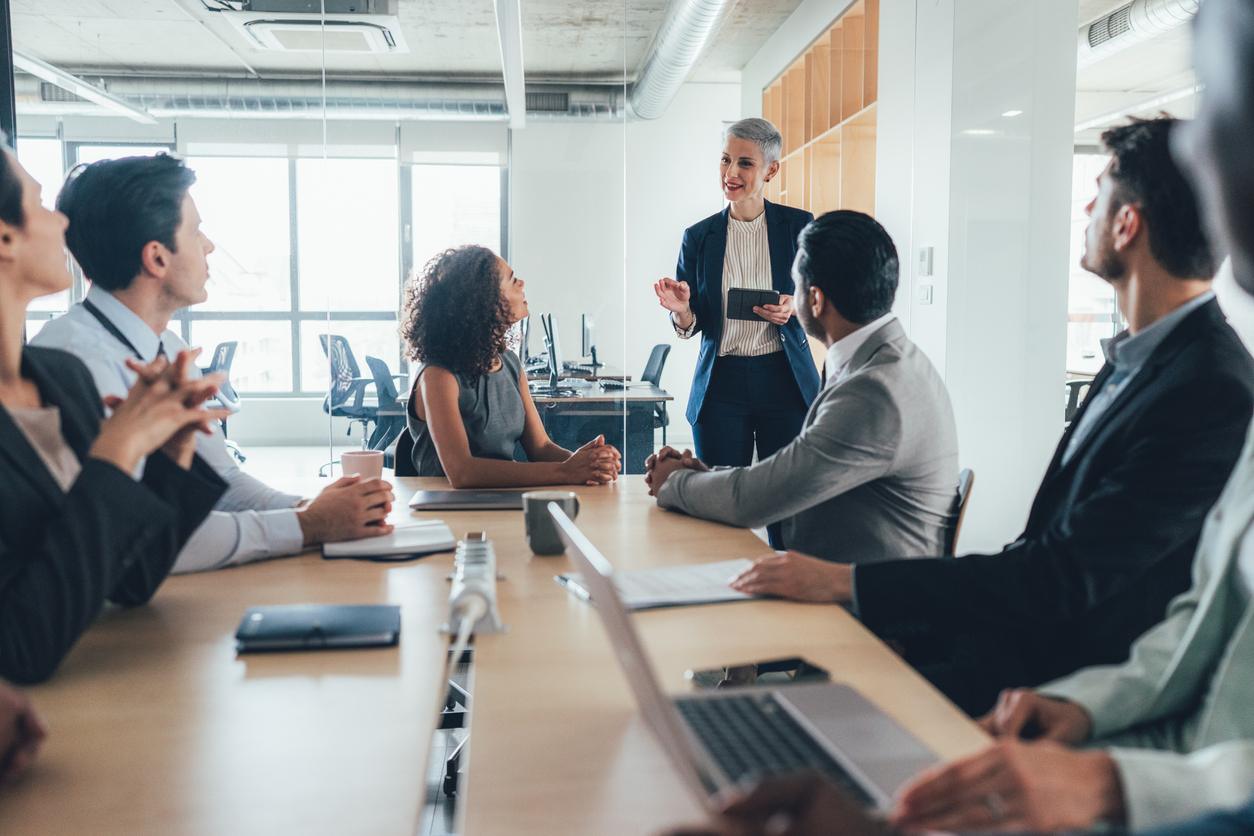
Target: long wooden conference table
157,726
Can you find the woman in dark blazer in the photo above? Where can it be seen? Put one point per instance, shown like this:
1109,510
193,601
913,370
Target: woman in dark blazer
754,379
76,527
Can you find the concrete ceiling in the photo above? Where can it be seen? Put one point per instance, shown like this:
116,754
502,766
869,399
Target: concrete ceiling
588,40
1136,76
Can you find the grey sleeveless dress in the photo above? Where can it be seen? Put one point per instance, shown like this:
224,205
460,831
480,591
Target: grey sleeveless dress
491,407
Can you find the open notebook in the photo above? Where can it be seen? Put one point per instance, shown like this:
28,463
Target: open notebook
671,586
410,539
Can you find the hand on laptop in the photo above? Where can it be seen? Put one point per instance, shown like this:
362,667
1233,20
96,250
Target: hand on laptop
347,509
1021,712
659,466
805,804
1042,787
22,732
798,577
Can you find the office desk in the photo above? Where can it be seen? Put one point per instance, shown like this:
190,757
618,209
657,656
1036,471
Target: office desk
623,416
556,745
603,372
157,727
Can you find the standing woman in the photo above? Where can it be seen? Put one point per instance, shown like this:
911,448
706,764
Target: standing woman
754,379
77,527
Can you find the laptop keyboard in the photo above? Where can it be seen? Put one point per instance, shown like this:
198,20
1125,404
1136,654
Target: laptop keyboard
752,736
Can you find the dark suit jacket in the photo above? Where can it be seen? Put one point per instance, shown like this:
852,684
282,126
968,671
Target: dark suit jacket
110,537
1109,541
701,266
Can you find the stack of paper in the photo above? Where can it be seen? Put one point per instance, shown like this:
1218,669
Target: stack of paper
410,539
672,586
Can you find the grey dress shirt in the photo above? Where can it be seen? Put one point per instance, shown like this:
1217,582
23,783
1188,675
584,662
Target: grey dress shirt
252,520
872,475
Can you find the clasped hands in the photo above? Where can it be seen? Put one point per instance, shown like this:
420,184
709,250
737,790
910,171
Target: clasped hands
659,466
1038,785
163,410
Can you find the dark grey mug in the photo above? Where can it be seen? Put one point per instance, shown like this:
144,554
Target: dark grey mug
542,535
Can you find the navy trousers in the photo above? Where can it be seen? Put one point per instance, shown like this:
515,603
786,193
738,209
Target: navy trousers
751,402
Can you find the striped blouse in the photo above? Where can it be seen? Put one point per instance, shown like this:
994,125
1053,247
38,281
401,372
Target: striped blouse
747,264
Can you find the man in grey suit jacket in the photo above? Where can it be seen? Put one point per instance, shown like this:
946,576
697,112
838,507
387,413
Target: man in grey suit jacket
874,471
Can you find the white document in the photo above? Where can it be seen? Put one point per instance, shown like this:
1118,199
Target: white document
672,586
406,540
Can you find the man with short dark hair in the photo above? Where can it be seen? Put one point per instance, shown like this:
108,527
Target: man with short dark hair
1114,526
874,469
135,231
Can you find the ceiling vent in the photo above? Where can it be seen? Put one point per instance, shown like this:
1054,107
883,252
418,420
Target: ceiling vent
1130,24
347,27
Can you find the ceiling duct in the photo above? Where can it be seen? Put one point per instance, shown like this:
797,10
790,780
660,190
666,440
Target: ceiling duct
1130,24
246,98
689,27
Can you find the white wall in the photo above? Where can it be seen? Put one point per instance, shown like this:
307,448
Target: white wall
567,233
990,196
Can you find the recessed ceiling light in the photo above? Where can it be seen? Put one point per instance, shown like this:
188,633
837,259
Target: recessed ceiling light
1010,114
979,132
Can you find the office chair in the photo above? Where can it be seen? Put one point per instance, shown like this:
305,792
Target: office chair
227,397
653,374
966,482
347,392
403,454
1077,391
390,415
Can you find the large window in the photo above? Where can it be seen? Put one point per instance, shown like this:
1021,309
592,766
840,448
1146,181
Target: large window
43,159
1092,314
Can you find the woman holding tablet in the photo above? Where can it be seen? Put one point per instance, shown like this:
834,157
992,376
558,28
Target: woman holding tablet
755,377
470,406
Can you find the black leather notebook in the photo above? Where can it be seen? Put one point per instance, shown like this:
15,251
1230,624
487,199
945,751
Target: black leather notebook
318,627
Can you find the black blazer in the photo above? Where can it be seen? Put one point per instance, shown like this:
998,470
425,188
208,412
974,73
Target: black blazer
110,537
700,264
1109,541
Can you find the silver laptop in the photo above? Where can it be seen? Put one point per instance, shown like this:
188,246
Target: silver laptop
719,739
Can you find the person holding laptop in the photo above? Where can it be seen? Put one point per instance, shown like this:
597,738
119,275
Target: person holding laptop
470,407
91,509
135,232
874,470
1167,735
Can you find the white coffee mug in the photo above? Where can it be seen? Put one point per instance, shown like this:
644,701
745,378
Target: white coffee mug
368,464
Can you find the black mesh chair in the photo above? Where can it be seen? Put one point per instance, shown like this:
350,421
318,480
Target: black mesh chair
652,374
347,393
403,454
227,397
389,415
1077,391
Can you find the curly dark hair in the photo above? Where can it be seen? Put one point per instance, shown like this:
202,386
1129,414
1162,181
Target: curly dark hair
453,314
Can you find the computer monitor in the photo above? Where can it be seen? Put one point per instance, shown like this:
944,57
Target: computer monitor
587,346
555,356
524,339
554,352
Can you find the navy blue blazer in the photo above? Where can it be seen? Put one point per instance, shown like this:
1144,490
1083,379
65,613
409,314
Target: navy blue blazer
701,266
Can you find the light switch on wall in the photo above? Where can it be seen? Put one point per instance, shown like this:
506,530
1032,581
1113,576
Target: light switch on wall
924,293
925,261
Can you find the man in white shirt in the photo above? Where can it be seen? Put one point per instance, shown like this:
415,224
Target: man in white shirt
135,231
874,470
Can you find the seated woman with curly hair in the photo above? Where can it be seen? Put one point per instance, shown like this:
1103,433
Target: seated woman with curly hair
470,405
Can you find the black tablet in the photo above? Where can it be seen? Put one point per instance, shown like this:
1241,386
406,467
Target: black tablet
741,301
